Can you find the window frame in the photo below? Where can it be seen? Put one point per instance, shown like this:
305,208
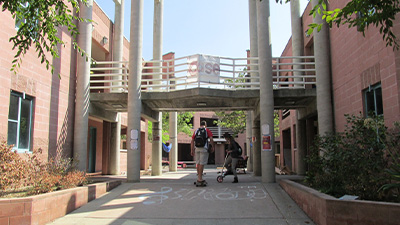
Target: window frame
373,89
21,96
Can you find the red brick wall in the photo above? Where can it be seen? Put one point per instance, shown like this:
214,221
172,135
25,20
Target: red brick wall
326,210
357,62
45,208
53,97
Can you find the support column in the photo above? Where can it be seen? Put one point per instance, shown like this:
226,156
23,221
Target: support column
298,50
256,148
249,135
134,100
297,38
156,154
82,87
173,137
253,36
253,54
323,71
115,147
266,91
156,166
118,43
301,135
117,51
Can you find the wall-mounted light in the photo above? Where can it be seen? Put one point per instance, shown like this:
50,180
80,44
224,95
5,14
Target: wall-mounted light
105,40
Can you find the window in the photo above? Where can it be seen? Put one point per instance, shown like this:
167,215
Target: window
20,121
373,100
19,21
28,26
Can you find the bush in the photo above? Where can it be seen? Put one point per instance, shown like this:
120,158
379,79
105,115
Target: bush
13,170
352,162
35,176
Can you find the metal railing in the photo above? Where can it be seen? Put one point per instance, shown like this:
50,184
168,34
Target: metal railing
204,71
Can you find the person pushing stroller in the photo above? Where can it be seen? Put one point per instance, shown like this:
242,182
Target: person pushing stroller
233,157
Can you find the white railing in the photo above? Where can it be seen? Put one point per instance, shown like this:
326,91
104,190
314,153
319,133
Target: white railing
204,71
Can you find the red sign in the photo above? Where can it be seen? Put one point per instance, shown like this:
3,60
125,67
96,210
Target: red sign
266,143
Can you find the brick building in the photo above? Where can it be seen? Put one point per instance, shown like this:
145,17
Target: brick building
39,107
364,77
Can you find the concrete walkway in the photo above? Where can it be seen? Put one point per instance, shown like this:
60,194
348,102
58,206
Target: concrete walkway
172,198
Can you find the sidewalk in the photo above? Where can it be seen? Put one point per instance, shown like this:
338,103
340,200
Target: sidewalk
172,198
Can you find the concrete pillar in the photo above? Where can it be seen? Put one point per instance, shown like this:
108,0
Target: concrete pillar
323,71
253,35
253,53
134,101
256,148
301,137
298,50
173,140
156,153
249,135
156,166
117,56
115,147
118,42
297,38
266,93
82,87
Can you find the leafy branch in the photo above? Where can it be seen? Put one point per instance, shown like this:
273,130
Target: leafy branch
360,14
39,23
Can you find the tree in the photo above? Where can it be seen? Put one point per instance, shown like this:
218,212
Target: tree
236,121
38,24
360,14
183,121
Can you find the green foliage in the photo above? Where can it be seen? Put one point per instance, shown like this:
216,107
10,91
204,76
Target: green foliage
393,153
183,122
236,121
34,176
361,14
40,22
352,162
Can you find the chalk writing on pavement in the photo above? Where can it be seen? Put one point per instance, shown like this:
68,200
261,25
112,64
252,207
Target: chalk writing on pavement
225,194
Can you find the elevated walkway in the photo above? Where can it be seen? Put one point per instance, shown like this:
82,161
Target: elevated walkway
203,83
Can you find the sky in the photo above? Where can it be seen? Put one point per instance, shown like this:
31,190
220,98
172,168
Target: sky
211,27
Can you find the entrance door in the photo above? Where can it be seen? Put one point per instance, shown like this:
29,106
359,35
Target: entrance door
92,149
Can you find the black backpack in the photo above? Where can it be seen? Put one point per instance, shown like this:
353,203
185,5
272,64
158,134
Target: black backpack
200,138
239,148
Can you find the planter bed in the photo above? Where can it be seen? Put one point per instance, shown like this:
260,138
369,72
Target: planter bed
326,210
44,208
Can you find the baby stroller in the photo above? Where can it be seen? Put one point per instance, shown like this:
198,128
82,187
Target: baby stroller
242,163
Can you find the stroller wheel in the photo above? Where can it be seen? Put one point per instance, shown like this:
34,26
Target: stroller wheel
220,179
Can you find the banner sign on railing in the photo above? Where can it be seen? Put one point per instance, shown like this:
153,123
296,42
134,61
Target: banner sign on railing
205,67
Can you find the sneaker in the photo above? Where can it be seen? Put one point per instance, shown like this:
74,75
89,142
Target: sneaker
235,180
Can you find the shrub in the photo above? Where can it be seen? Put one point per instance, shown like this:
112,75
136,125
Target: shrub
34,175
13,170
351,162
393,155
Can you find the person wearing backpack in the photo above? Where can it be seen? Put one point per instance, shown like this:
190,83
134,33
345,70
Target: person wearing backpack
235,152
200,147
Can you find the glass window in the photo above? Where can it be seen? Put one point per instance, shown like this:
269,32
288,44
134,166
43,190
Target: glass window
20,19
20,121
373,100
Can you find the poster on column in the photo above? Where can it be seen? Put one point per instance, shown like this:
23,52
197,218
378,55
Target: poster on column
266,143
134,139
